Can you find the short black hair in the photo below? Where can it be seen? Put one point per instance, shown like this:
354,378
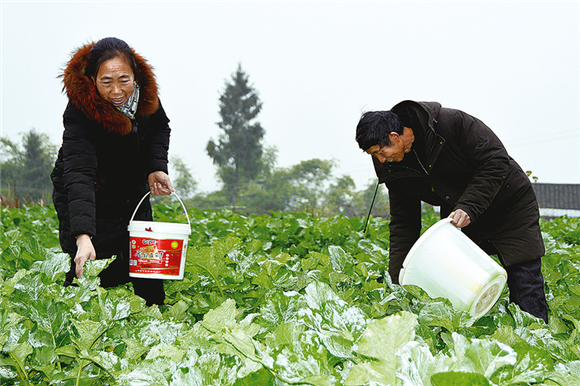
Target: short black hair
374,128
109,48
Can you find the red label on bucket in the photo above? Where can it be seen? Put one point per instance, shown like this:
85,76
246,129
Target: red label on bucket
155,256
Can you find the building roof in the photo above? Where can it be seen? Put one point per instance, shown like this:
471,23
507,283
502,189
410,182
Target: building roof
558,196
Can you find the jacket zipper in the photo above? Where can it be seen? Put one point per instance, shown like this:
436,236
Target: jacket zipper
420,163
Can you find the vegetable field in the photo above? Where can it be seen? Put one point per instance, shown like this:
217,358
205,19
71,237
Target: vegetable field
284,299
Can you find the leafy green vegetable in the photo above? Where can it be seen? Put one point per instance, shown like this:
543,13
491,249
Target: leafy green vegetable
273,300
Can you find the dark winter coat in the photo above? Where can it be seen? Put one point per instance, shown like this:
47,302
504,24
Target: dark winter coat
459,163
105,158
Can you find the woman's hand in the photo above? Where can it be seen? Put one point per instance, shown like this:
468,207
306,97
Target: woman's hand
160,184
459,218
85,251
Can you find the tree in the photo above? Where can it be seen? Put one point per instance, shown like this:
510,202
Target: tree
371,199
183,182
25,171
238,152
304,187
309,180
340,196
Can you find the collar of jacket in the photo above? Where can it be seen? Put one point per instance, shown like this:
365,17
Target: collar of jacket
428,114
83,94
390,171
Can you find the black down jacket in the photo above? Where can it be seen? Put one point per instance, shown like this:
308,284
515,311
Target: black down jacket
102,167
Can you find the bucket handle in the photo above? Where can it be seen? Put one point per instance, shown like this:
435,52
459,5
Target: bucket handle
181,202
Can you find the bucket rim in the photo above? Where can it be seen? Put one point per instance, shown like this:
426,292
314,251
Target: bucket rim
136,226
501,280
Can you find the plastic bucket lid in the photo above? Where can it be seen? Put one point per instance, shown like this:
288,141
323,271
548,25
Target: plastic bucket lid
444,262
158,250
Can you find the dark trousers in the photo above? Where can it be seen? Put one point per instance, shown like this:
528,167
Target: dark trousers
526,285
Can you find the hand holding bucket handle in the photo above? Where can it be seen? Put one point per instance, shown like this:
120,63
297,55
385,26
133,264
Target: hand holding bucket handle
160,183
459,218
148,193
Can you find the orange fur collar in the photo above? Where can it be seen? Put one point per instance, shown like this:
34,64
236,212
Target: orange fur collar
84,95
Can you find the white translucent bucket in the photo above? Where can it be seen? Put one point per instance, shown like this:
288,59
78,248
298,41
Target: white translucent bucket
444,262
157,250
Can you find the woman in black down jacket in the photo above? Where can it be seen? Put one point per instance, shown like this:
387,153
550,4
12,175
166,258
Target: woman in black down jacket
114,150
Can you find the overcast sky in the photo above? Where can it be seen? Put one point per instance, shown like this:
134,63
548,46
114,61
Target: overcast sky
317,66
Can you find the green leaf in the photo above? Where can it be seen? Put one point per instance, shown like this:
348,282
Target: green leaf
178,311
49,314
565,375
416,364
86,332
242,342
68,351
456,378
369,372
156,372
167,351
108,361
481,356
385,336
54,266
337,324
31,286
134,349
507,335
304,361
90,279
441,314
20,352
319,294
285,334
260,377
210,260
533,365
117,309
341,261
8,319
49,370
222,317
381,341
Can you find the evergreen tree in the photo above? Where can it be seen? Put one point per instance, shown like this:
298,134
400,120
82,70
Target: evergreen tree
238,152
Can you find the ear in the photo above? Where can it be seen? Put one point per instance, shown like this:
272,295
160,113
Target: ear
394,136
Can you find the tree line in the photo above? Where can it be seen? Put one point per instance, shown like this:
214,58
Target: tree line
245,167
25,169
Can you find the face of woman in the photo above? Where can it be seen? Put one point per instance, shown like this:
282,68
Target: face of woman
115,81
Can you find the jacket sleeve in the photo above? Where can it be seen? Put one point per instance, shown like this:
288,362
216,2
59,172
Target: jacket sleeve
156,153
79,172
404,227
487,157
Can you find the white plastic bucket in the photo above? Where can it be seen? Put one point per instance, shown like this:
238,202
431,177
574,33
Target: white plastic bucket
157,250
444,262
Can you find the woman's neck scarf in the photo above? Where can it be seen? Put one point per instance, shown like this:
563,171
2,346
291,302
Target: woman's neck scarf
130,107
